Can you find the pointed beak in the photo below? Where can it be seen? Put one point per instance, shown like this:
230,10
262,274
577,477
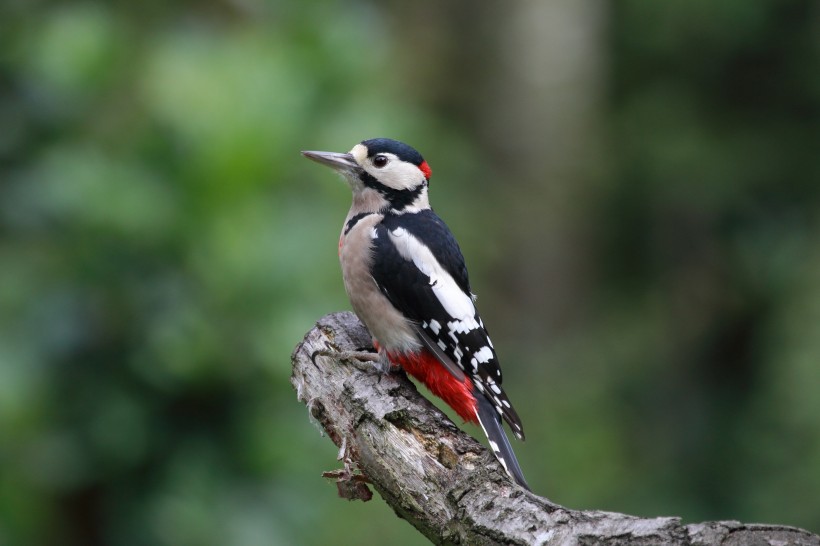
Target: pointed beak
336,161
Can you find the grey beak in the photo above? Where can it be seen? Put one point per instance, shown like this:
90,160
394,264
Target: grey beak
334,160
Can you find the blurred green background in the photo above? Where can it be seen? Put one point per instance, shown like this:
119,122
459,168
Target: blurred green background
635,185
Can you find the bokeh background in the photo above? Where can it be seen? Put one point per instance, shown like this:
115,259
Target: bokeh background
635,185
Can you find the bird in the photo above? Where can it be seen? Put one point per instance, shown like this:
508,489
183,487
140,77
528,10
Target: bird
407,281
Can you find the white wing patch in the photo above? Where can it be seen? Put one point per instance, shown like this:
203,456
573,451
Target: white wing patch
462,326
457,304
484,355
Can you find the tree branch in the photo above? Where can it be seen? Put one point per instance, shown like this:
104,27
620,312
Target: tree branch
445,483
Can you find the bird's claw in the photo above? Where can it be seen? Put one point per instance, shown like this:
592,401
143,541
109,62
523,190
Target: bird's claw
363,360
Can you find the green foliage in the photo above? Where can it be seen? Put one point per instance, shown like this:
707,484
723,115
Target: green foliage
163,248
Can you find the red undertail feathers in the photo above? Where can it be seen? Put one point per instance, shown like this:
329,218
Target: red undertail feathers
426,368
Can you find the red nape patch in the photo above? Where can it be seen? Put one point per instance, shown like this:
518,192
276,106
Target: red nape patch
426,368
425,168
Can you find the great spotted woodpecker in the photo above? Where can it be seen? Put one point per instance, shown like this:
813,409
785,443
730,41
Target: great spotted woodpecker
406,279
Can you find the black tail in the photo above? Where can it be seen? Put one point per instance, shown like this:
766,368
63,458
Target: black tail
491,423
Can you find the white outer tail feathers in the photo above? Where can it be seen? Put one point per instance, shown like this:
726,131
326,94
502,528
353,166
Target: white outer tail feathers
490,422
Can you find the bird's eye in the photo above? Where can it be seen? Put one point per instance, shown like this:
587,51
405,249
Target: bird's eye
380,161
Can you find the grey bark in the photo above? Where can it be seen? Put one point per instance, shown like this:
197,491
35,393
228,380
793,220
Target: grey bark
445,483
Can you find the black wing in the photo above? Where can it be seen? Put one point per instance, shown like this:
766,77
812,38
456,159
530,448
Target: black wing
431,230
418,266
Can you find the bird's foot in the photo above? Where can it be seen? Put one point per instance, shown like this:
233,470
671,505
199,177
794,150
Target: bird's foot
361,359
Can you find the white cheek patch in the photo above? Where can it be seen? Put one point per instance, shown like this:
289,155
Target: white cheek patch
397,174
400,175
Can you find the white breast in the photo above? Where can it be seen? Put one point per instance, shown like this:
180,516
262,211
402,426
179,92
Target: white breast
389,327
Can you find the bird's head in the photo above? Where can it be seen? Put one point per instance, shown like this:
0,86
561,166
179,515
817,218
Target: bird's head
391,170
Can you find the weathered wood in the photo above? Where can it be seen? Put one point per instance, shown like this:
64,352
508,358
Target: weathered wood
445,483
